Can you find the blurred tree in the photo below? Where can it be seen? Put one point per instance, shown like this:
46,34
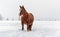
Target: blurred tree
1,18
7,19
12,19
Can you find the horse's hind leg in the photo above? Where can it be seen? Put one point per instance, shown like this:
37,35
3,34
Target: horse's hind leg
27,27
30,27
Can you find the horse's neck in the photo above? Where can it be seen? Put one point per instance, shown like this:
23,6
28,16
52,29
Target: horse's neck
26,14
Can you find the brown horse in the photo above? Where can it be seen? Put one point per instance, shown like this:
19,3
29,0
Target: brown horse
26,18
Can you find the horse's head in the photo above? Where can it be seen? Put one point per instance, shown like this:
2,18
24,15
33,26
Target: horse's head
21,10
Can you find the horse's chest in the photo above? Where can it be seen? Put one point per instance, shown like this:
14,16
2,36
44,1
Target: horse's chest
24,19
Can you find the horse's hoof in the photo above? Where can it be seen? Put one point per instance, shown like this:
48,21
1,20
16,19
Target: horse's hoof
28,30
22,29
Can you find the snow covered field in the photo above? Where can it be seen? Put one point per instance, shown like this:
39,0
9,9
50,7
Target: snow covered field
39,29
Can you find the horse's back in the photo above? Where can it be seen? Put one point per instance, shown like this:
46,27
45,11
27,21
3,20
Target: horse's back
31,16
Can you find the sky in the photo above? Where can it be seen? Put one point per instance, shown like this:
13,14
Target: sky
41,9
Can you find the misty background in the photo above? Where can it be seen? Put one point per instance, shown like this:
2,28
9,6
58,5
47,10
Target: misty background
44,10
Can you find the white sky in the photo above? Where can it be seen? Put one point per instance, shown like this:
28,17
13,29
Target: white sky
39,8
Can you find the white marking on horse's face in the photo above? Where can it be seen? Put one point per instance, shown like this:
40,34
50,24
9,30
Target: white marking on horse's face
20,9
21,15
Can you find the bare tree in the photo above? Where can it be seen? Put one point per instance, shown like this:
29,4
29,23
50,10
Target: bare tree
1,18
7,19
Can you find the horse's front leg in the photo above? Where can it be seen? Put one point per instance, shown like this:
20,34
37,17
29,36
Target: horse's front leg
27,27
22,26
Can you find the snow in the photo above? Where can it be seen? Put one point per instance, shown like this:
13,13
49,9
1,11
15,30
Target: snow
39,29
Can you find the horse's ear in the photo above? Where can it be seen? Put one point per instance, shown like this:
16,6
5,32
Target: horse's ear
20,6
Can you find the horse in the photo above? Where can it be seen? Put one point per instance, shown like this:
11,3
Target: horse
26,18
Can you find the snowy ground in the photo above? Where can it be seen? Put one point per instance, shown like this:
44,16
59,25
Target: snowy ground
39,29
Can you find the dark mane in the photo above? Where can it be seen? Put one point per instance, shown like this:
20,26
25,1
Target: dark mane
24,9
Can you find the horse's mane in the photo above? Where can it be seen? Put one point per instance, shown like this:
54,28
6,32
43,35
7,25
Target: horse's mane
24,9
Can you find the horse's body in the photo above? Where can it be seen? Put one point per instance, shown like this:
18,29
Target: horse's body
26,18
29,19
